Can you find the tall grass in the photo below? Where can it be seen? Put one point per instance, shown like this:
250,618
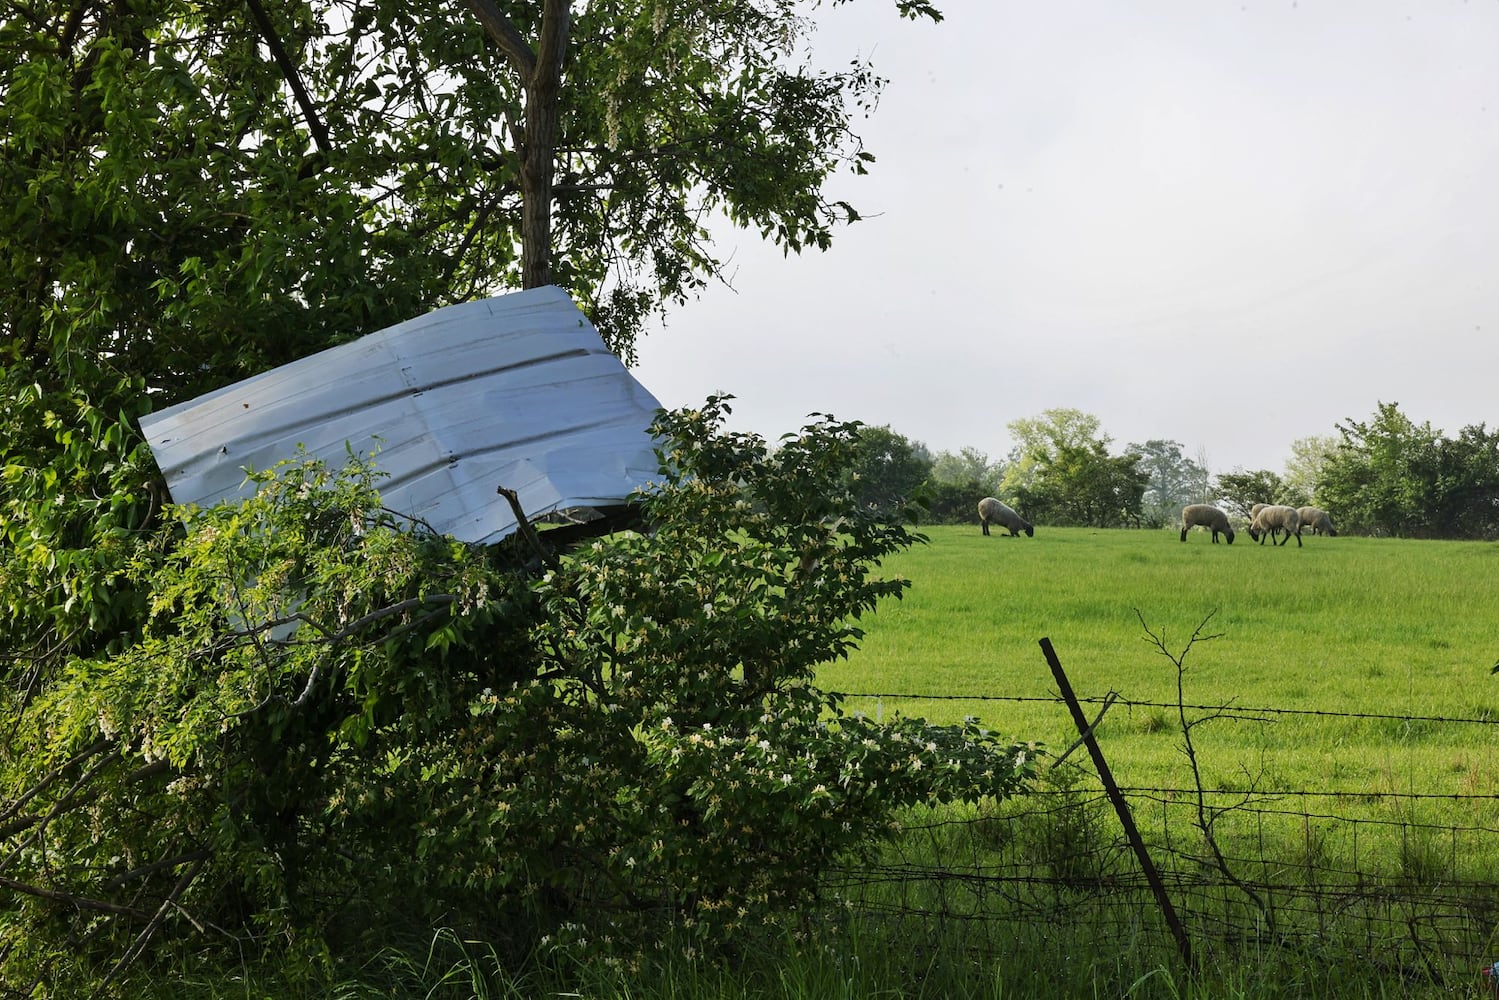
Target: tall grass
1041,962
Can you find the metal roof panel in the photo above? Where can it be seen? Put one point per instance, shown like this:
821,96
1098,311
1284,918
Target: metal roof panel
516,391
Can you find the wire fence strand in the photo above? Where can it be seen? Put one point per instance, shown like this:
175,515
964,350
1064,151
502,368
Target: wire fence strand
1406,880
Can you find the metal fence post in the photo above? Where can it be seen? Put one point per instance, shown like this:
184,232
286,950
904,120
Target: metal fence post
1183,945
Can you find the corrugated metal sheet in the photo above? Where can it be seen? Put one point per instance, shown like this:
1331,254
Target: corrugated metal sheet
516,391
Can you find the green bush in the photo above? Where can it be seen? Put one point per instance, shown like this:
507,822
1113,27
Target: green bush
336,721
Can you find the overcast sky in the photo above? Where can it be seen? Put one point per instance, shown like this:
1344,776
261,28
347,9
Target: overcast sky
1230,225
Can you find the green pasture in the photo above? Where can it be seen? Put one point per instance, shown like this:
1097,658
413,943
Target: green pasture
1386,627
1391,638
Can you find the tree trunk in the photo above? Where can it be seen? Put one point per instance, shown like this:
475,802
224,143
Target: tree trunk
540,72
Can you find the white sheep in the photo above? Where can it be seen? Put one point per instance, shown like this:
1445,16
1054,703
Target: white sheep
1273,518
1003,515
1207,516
1317,519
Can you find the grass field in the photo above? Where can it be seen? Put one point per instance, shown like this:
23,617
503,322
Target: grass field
1405,630
1346,625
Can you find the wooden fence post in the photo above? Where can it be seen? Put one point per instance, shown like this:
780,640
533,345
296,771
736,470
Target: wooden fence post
1131,832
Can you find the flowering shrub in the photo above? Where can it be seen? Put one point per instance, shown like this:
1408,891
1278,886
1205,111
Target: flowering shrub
337,719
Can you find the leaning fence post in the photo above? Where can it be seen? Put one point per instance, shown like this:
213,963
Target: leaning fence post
1183,945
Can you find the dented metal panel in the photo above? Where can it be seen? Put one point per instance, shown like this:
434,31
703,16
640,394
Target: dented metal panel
516,391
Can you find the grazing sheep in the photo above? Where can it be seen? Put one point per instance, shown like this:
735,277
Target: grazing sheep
1317,519
1003,515
1254,511
1273,518
1209,517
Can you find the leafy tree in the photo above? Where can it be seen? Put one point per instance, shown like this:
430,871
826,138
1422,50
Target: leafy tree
1039,440
1309,457
956,484
1381,476
1391,476
675,107
200,193
193,194
1084,485
1172,480
1240,490
889,468
337,722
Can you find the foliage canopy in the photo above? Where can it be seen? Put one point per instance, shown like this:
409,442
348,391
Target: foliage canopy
194,193
334,721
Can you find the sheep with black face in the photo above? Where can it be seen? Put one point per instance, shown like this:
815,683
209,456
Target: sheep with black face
1002,514
1207,516
1316,519
1274,518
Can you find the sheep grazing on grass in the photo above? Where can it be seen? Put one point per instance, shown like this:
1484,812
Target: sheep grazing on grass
1317,519
1003,515
1207,516
1273,518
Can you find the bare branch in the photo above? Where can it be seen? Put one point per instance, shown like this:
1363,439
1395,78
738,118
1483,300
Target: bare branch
1207,817
523,525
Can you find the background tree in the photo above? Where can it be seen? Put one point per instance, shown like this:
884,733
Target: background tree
1240,490
1309,456
957,483
1084,485
1172,480
1393,477
1382,475
1467,490
967,465
888,468
1038,441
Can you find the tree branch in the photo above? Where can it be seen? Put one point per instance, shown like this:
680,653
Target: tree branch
80,902
502,31
289,73
98,746
523,525
139,944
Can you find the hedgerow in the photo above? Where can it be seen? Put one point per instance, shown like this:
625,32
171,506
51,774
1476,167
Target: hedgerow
335,722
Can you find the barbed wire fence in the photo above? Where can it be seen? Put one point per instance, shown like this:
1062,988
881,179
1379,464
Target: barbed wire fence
1407,881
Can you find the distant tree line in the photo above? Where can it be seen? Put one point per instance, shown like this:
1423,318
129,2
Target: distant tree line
1386,476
